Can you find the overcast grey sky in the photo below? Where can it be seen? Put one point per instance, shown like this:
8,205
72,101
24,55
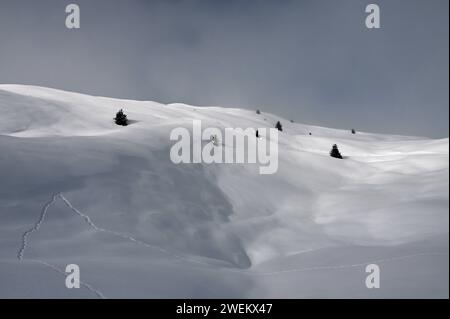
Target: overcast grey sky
311,61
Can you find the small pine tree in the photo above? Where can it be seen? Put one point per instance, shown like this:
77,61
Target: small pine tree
258,112
257,133
310,133
335,152
278,126
353,131
292,121
121,118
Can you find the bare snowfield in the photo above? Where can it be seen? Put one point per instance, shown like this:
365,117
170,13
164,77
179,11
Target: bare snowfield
77,189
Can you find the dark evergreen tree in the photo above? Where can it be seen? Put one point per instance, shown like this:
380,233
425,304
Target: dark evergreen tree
310,133
257,133
278,126
335,152
353,131
258,112
121,118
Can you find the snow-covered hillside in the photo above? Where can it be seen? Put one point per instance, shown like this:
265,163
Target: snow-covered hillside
77,189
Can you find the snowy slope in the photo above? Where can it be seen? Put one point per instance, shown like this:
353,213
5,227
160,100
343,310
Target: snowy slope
76,188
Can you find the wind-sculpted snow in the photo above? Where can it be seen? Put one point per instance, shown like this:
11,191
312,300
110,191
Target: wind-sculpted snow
99,294
123,236
91,224
139,225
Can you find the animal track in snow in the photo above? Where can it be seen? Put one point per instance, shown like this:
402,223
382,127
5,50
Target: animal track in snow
35,227
343,266
58,270
88,220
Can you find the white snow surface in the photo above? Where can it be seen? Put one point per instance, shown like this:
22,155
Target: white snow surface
77,189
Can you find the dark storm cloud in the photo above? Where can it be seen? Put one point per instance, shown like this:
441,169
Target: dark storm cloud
312,61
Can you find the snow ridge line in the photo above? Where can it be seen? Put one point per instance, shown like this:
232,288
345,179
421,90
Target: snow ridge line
340,266
35,227
60,271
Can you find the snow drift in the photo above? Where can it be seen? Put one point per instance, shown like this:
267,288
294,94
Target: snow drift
76,188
